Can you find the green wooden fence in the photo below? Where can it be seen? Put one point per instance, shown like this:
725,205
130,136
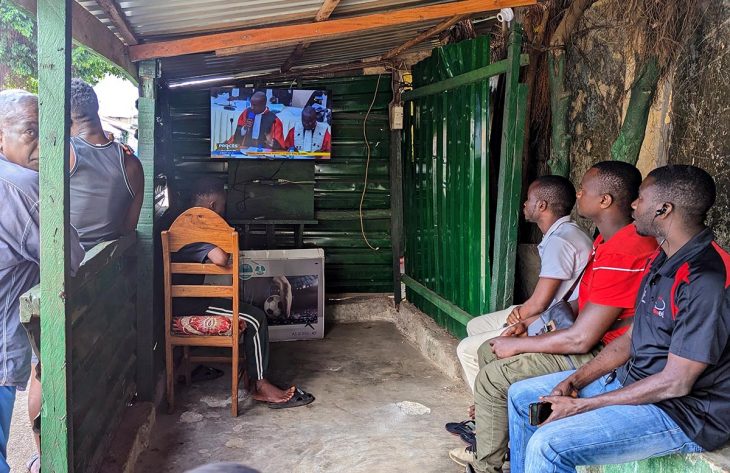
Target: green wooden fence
102,356
449,178
349,264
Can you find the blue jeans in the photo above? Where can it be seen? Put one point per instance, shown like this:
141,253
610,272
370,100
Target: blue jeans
7,400
613,434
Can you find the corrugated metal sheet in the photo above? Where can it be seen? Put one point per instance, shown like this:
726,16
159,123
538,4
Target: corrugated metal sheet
194,65
156,19
350,265
343,50
446,185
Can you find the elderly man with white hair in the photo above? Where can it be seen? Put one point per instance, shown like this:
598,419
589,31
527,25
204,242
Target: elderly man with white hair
19,244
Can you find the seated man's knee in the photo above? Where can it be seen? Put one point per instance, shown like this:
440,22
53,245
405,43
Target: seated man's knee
465,348
484,353
541,445
258,314
472,326
485,385
521,390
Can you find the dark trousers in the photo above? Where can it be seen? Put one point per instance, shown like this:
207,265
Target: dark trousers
255,336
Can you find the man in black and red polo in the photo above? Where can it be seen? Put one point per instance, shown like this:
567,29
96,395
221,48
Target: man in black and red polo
663,387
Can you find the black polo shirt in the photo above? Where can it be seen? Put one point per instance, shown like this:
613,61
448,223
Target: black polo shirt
683,307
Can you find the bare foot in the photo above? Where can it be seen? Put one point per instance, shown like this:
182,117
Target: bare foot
471,411
265,391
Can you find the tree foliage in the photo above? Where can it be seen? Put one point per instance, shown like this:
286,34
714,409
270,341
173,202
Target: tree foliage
19,59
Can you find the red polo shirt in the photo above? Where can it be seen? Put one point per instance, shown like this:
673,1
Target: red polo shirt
614,273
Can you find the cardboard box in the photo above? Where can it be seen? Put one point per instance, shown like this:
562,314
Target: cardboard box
288,285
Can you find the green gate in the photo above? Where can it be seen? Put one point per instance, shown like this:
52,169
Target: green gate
458,263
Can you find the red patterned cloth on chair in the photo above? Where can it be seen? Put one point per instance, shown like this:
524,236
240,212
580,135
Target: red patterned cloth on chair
208,325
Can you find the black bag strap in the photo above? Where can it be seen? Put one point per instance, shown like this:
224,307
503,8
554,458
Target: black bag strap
566,296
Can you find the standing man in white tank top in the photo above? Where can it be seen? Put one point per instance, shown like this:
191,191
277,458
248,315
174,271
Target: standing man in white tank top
564,252
106,192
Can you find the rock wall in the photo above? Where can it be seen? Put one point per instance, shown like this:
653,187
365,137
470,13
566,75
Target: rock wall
701,109
689,119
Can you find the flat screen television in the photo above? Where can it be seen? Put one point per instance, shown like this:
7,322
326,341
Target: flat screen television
255,123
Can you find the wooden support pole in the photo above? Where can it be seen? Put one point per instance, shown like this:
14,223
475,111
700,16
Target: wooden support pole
116,16
428,34
259,39
559,162
509,180
149,73
449,308
54,84
323,14
325,11
396,194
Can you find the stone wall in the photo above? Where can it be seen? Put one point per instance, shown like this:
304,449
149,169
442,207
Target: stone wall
689,120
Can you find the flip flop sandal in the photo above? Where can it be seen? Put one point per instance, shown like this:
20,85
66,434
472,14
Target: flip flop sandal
469,439
202,373
300,398
458,428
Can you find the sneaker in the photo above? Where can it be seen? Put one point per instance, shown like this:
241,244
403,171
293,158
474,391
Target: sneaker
463,455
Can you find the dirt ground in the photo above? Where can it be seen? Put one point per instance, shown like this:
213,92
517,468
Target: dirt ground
20,445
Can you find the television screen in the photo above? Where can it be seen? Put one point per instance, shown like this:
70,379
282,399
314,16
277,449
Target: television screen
248,123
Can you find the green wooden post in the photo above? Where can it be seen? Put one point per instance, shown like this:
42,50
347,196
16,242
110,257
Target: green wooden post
148,74
509,183
54,77
559,162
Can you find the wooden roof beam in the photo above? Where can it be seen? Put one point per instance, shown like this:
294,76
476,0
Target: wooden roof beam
118,19
247,40
323,14
328,6
426,35
89,31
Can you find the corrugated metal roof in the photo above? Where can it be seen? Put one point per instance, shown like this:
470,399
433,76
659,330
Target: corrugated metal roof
344,50
154,20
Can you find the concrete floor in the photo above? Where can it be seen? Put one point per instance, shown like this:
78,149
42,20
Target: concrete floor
380,407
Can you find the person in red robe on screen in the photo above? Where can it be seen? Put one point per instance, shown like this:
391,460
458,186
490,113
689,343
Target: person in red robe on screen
309,135
258,127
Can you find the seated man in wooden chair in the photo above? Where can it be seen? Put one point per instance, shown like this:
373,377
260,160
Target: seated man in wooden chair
209,193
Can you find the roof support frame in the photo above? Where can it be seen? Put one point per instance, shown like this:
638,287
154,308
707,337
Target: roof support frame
247,40
328,6
118,19
424,36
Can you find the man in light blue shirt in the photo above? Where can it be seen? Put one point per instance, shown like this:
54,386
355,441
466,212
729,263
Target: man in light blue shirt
564,252
19,244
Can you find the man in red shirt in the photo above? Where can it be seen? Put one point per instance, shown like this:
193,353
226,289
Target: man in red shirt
605,308
258,126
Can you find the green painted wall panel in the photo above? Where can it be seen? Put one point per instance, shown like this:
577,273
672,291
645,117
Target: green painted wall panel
350,265
446,197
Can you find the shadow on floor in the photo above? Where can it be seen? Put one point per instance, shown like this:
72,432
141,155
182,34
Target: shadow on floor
380,407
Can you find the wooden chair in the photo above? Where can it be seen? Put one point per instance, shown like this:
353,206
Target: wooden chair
200,225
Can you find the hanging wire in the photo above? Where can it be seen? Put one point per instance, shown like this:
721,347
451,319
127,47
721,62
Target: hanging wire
367,165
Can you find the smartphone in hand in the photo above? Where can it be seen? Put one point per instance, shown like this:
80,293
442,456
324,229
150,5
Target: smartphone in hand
539,412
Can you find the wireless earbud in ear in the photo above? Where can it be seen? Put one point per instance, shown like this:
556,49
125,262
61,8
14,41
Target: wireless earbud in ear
661,211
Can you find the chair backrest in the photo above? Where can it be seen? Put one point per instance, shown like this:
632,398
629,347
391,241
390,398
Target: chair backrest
200,225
